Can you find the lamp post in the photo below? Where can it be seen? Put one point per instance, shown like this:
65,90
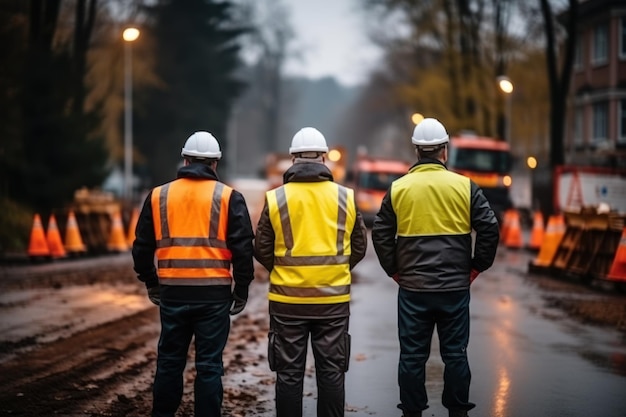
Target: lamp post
129,35
506,86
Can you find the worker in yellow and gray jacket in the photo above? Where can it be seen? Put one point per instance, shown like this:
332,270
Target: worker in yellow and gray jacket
422,235
309,237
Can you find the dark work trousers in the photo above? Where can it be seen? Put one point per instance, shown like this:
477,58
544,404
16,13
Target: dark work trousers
209,323
418,314
287,352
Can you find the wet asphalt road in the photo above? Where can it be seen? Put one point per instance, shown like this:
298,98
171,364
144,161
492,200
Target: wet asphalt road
527,358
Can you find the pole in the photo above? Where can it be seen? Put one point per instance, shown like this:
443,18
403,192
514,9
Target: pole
128,122
508,118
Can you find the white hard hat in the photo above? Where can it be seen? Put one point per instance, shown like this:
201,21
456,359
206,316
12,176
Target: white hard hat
308,139
202,145
429,132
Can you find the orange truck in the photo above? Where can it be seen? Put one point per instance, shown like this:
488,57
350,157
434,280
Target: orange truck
487,161
370,178
277,163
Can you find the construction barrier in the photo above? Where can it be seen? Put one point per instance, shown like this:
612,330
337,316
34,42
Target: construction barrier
618,266
554,233
53,237
537,233
132,224
73,241
38,244
117,239
513,236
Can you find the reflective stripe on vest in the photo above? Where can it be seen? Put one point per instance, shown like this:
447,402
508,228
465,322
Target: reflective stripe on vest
313,224
190,223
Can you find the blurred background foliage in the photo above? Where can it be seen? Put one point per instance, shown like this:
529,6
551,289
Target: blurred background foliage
219,66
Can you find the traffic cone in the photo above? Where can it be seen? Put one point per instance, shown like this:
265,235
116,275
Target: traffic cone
117,240
38,245
54,239
551,241
513,237
506,222
537,233
618,268
73,241
130,237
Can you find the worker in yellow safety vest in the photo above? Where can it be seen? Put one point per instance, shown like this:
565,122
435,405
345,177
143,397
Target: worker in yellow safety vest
197,228
309,237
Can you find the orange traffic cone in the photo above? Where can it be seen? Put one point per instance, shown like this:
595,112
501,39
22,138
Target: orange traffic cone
618,268
130,237
537,233
73,241
552,239
38,245
54,239
117,240
506,223
513,236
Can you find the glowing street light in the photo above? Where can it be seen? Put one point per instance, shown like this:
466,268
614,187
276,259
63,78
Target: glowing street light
416,118
506,86
129,35
531,161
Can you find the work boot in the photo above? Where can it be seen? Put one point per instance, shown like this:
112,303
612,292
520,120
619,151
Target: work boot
457,413
412,414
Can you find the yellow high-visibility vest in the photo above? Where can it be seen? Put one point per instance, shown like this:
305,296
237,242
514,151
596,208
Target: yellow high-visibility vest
313,223
190,219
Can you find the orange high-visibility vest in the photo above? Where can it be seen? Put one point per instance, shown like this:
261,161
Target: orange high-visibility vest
313,224
190,219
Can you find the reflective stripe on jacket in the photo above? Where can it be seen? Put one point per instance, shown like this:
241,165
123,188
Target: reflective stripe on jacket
190,221
313,223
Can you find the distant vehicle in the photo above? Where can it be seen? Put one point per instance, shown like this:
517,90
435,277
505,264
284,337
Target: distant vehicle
370,178
277,163
487,161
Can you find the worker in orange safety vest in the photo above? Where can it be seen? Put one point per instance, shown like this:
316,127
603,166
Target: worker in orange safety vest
197,228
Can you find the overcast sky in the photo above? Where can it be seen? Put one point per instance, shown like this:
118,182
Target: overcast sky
333,39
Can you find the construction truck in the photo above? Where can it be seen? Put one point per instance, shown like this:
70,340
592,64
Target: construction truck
487,161
370,178
277,163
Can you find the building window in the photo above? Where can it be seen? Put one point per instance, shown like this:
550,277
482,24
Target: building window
578,129
600,45
621,138
600,122
578,56
622,38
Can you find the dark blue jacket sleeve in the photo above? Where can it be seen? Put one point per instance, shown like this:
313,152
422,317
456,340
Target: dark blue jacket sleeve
239,241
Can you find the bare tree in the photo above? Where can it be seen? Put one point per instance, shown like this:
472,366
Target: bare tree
559,78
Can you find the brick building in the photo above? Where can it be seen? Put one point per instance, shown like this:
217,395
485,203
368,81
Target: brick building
595,131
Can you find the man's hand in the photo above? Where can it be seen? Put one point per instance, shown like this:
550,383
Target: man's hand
238,305
473,274
154,294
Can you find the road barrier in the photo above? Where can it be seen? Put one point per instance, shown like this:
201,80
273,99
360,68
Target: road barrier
38,245
590,247
53,237
537,233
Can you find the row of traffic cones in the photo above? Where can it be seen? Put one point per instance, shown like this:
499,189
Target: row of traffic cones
511,231
48,244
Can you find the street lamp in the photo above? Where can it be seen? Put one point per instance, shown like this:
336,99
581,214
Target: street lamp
416,118
130,35
506,86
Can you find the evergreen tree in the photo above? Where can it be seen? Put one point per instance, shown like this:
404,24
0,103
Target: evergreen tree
197,54
50,153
